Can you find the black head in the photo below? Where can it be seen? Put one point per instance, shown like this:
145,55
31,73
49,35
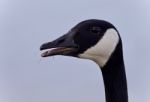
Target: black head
81,38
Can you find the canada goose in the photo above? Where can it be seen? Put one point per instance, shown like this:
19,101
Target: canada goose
99,41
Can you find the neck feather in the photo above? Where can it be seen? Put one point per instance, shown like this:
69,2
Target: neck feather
115,78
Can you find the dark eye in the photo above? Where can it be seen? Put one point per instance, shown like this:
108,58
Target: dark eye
95,30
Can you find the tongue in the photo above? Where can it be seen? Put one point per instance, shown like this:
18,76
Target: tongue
49,52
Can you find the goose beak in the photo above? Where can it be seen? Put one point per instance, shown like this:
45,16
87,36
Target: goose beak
64,45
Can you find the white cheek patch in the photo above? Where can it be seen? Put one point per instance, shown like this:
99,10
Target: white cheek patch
101,52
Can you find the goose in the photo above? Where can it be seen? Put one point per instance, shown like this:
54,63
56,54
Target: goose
99,41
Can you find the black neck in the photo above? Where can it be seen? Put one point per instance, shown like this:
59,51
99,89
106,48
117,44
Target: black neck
115,78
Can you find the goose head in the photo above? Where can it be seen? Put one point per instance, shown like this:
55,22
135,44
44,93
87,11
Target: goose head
91,39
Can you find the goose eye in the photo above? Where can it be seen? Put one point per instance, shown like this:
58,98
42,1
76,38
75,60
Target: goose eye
95,30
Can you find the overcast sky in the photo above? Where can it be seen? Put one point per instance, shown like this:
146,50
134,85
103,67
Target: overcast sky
26,24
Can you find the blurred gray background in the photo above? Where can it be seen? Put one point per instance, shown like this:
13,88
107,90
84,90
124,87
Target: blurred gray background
26,24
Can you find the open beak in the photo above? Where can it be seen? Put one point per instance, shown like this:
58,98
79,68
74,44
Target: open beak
62,46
